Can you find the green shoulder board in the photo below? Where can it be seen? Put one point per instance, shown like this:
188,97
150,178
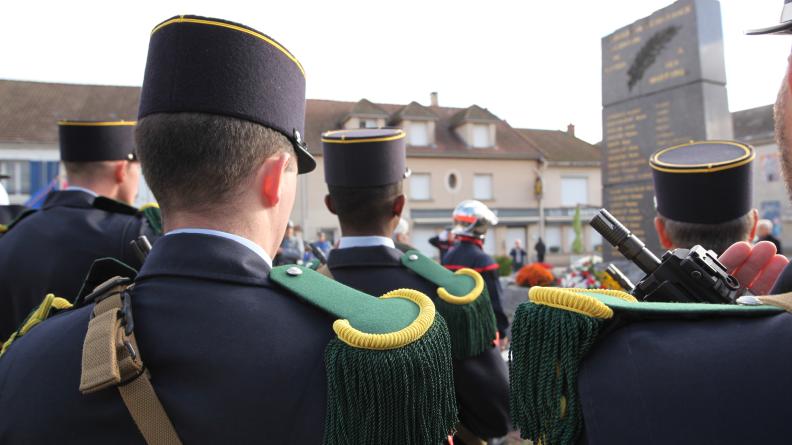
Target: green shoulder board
150,211
390,358
553,332
462,300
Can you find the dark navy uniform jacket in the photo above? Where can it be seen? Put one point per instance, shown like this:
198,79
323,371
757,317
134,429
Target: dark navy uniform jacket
233,358
468,253
482,384
713,381
52,250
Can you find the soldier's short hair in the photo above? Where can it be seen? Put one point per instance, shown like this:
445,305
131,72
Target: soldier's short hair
365,208
717,237
199,161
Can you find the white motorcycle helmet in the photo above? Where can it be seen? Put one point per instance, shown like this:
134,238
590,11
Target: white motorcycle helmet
472,218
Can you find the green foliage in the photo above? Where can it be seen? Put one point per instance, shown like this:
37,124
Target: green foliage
505,265
577,244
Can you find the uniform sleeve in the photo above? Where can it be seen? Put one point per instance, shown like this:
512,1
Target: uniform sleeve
784,282
495,290
483,394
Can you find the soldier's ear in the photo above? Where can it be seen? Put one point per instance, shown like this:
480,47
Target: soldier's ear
661,233
120,171
270,177
398,205
329,204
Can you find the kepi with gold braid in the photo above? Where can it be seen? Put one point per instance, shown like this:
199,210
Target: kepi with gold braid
213,66
93,141
389,373
365,157
705,182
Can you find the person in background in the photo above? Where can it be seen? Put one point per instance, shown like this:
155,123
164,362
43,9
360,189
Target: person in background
540,249
443,241
517,254
764,232
322,243
401,235
8,212
472,219
291,248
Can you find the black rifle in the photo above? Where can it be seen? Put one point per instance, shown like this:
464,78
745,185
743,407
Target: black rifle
142,247
318,253
682,275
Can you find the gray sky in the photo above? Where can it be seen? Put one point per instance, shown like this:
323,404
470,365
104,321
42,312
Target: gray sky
534,63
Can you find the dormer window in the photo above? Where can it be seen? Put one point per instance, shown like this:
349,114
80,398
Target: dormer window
369,123
481,136
418,134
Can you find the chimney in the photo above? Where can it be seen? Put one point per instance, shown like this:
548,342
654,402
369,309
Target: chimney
433,99
571,130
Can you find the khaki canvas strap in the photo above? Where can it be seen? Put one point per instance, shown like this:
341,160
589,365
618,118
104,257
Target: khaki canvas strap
784,301
111,358
324,270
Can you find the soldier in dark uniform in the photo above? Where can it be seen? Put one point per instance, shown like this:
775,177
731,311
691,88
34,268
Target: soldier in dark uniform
51,250
221,348
364,170
471,221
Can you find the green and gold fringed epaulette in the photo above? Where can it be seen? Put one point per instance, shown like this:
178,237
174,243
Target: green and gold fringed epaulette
153,215
462,300
389,372
551,335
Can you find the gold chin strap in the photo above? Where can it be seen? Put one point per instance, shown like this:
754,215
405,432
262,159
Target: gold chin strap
111,357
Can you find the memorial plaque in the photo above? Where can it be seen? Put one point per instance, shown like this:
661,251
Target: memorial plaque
663,84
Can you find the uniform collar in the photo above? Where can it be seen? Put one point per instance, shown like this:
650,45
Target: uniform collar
205,257
365,241
369,256
258,250
68,198
74,188
471,240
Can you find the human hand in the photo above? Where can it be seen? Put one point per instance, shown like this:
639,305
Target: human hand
756,267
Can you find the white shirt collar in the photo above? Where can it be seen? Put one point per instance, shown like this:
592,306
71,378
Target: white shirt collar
241,240
74,188
365,241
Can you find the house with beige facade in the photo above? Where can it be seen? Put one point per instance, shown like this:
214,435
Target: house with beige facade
533,179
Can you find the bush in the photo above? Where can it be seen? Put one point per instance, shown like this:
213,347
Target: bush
504,265
535,274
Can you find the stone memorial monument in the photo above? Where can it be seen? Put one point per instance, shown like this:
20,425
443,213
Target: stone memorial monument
663,84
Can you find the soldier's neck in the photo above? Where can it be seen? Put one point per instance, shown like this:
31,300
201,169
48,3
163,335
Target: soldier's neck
101,188
258,228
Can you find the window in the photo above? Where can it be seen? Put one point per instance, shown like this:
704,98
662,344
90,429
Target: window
481,136
368,123
19,181
420,187
452,181
482,187
418,134
574,191
552,238
771,167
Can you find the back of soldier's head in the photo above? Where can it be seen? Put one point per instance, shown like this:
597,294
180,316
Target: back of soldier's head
703,194
218,99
